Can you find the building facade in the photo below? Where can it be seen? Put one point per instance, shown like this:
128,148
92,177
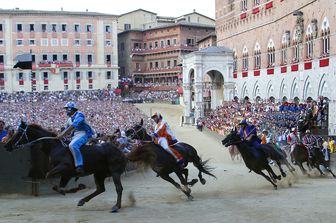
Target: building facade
142,19
71,50
283,50
154,55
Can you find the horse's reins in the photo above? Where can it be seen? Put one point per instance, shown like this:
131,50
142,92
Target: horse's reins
135,132
24,133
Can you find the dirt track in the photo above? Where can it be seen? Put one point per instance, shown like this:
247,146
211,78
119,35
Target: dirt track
236,196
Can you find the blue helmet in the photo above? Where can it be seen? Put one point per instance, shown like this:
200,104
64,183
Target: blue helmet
71,105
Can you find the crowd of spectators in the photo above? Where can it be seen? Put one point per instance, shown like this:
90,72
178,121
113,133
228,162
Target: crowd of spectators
165,96
277,118
104,111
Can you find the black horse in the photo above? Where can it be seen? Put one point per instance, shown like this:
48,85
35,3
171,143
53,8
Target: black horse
301,156
100,160
164,163
254,159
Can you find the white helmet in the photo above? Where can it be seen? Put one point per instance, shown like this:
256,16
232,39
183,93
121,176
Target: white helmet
123,134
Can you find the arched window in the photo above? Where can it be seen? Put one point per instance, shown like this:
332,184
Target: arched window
325,37
296,48
271,53
285,43
245,59
257,56
235,61
244,5
256,2
309,42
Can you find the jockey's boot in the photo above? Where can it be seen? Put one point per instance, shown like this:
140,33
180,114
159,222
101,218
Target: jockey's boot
292,158
80,171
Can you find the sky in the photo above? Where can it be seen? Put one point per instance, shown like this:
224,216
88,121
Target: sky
162,8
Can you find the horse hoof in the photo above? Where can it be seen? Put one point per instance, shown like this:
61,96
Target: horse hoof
290,184
203,181
279,177
62,192
190,198
114,209
284,175
81,203
275,187
193,182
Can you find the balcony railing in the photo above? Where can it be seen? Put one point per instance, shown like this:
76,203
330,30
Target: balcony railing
163,49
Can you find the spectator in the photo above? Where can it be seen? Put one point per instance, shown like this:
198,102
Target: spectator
3,132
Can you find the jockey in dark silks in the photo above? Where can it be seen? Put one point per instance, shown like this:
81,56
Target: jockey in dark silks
249,133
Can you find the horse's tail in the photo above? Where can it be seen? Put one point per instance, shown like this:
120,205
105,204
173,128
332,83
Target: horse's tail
143,154
204,167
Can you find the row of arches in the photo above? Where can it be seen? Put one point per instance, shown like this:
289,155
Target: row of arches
286,90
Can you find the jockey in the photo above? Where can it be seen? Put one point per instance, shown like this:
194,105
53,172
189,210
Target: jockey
249,133
164,136
124,142
293,139
81,133
309,141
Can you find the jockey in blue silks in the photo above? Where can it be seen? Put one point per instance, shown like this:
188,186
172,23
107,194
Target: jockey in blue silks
81,133
249,133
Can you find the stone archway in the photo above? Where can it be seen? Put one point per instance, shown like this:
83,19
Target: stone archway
213,88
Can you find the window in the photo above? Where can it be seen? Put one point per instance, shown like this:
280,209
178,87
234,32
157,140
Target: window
89,58
175,63
137,66
44,27
190,42
168,63
2,81
45,75
325,37
65,75
64,27
53,27
168,42
77,42
284,48
150,65
31,27
77,58
108,42
156,64
65,57
66,87
44,42
271,53
32,42
77,28
78,87
162,44
20,76
235,61
78,75
174,41
64,42
90,86
127,27
45,57
245,59
1,28
257,56
89,42
33,76
54,56
256,2
90,76
107,29
54,42
1,42
296,53
46,88
108,59
1,59
108,75
89,28
244,5
156,44
19,42
19,27
33,58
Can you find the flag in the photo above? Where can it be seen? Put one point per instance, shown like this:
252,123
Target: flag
24,61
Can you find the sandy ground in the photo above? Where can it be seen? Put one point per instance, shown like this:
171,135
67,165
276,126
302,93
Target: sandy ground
236,196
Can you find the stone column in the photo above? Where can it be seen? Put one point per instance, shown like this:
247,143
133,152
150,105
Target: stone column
229,88
187,99
332,117
199,106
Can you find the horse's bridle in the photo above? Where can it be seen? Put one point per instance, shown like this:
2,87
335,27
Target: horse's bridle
24,134
135,132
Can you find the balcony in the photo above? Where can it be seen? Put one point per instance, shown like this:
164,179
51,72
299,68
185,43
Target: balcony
158,70
64,64
255,10
243,15
269,5
45,64
164,49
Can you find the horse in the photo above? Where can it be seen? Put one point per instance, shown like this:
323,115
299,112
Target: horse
163,163
254,159
301,156
102,161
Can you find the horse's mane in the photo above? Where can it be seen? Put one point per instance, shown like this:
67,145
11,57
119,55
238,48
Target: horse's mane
39,127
